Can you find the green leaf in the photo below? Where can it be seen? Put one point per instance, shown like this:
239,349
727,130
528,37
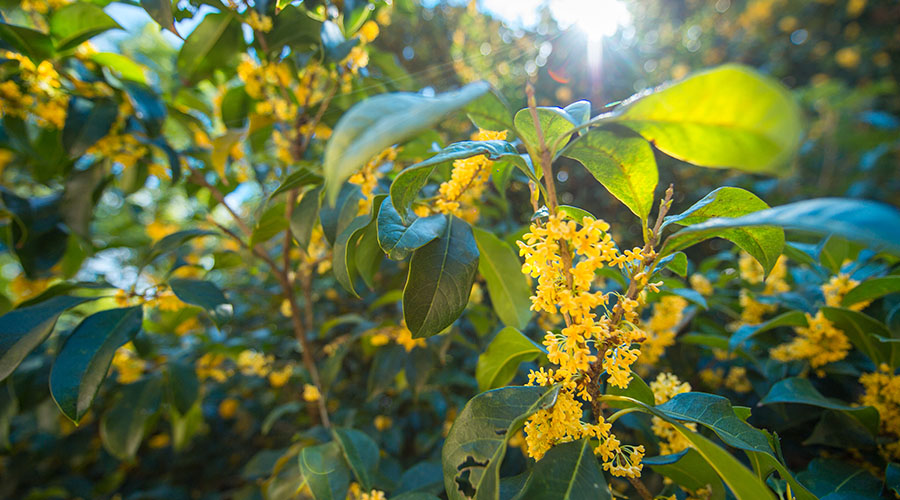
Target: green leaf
336,46
9,407
637,389
832,479
386,364
476,444
87,121
21,330
335,217
381,121
555,123
305,216
746,332
212,45
185,426
678,263
32,43
872,289
344,254
122,427
269,224
221,149
80,192
763,243
440,279
161,12
368,254
294,28
862,331
490,112
204,294
361,453
715,412
79,22
801,391
689,470
236,106
398,239
84,359
183,386
575,213
892,477
508,288
175,241
295,180
568,471
324,471
867,222
625,165
705,119
835,251
580,111
498,364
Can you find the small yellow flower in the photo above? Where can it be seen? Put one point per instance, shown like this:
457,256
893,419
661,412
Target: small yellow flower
369,31
311,393
159,441
383,423
278,378
228,408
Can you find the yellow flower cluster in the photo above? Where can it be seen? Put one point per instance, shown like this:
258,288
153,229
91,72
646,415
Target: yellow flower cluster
258,22
355,493
118,145
41,94
753,311
210,366
737,380
665,387
43,6
701,285
820,342
399,334
127,364
468,181
166,300
566,288
667,315
367,177
21,288
882,391
311,393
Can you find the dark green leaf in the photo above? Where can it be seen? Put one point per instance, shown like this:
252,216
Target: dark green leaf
381,121
204,294
835,251
508,288
175,240
295,180
161,12
862,331
490,112
335,217
79,22
625,165
344,254
746,332
305,216
872,289
440,279
337,47
269,224
368,251
32,43
183,386
690,471
498,364
836,480
637,389
476,444
21,330
361,453
763,243
801,391
386,364
569,471
83,360
80,193
122,427
87,121
325,472
236,106
716,413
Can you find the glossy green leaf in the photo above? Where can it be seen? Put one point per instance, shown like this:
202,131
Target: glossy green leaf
508,288
763,243
161,12
325,471
397,239
83,361
872,289
79,22
490,112
867,222
213,44
637,389
568,471
305,216
236,107
381,121
705,119
183,386
832,479
122,426
476,444
344,254
27,41
498,364
297,179
690,471
335,217
204,294
801,391
625,165
862,330
174,241
580,111
440,280
836,251
746,332
87,121
361,453
555,123
21,330
368,255
716,413
269,224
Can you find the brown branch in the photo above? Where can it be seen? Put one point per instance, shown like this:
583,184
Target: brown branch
641,489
